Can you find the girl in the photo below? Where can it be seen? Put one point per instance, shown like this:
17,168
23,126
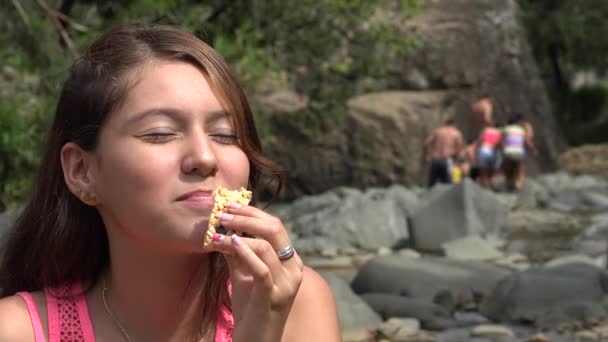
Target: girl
109,248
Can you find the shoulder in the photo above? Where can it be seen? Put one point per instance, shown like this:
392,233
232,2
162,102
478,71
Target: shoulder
313,284
457,133
15,323
313,312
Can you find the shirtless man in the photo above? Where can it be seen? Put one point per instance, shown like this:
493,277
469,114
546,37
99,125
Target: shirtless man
482,113
443,144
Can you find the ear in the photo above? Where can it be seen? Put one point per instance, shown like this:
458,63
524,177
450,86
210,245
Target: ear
77,165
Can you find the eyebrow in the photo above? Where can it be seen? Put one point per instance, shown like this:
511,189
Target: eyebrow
213,116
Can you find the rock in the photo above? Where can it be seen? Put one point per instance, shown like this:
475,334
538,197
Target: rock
9,73
357,335
561,181
515,262
491,330
342,262
400,329
466,209
384,251
430,315
542,223
378,140
282,101
585,200
353,312
306,205
407,199
414,79
362,259
471,247
586,159
586,336
539,338
547,296
357,223
593,240
533,195
424,278
410,253
469,318
570,259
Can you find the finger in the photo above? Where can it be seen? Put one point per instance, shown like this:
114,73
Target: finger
260,265
246,210
270,229
249,263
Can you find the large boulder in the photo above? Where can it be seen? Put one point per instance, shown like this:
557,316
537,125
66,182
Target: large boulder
359,222
352,310
388,131
548,296
542,235
468,47
427,277
464,209
431,315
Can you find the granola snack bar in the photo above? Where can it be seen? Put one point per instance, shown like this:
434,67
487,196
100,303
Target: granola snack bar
221,198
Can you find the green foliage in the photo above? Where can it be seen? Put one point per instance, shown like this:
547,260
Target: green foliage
589,102
323,46
585,115
576,29
568,37
21,138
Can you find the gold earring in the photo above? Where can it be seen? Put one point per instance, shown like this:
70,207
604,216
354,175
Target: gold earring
88,198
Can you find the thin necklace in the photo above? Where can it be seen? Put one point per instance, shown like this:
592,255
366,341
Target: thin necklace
111,314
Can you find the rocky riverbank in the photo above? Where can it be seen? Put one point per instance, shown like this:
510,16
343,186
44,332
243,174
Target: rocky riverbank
459,263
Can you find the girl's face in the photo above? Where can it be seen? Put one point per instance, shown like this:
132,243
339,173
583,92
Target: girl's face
162,153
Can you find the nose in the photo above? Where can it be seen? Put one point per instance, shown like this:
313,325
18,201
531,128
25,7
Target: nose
200,157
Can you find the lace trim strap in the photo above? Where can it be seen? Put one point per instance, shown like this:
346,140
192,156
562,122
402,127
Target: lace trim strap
68,315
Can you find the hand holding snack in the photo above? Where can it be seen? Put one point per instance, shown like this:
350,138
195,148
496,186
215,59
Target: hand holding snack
265,272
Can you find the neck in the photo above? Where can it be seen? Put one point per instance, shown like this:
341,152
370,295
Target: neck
156,296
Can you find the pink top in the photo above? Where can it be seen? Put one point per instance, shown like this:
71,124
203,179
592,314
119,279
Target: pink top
68,317
490,137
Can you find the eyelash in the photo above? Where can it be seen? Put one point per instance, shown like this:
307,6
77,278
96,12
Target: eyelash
226,139
158,137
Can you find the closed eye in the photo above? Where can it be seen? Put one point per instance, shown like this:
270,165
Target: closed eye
158,137
227,139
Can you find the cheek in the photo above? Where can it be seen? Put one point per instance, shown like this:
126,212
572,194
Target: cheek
235,169
129,176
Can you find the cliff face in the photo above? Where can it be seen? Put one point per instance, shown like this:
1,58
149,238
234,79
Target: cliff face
469,48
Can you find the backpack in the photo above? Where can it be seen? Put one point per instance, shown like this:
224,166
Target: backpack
514,144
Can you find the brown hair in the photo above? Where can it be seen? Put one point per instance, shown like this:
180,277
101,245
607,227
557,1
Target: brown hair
59,240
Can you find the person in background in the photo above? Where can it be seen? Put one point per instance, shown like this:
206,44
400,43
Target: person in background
110,246
468,161
488,149
441,147
482,113
518,143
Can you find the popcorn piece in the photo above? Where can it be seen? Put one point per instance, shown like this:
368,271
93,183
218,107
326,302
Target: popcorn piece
221,198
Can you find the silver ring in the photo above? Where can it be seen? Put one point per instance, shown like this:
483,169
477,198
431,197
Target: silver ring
286,252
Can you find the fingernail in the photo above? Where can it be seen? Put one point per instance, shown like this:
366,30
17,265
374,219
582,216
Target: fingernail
218,237
236,240
233,205
225,217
